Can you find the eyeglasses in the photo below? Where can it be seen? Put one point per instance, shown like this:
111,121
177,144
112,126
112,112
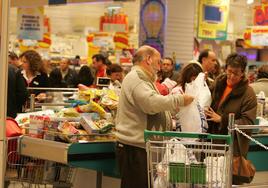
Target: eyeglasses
236,74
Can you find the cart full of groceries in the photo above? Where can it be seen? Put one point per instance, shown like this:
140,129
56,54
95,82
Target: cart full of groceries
69,131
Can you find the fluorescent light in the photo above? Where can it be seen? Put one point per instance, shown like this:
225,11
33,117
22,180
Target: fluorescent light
250,1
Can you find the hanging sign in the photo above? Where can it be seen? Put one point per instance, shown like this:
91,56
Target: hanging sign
212,21
30,23
259,35
261,14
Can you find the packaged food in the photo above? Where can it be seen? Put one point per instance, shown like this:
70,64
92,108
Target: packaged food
68,132
88,124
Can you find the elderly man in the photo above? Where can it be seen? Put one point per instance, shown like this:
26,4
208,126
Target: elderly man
141,107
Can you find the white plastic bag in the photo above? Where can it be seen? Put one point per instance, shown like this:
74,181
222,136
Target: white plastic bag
192,118
199,89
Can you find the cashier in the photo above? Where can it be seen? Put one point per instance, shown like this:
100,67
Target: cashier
32,74
141,107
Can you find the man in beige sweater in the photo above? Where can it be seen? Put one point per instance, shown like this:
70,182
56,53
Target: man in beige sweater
141,107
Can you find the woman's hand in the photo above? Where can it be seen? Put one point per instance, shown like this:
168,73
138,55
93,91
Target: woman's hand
212,116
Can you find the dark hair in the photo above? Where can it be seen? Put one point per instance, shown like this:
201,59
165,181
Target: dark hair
13,55
262,72
99,57
55,79
236,60
113,68
85,76
170,59
203,54
187,72
34,60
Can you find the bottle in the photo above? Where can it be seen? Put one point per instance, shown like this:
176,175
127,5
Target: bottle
260,104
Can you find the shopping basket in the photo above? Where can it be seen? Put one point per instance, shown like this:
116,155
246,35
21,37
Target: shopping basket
177,159
31,171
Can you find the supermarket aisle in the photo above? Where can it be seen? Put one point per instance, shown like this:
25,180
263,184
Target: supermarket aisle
87,179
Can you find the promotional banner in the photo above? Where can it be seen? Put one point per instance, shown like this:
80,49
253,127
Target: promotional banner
30,23
212,21
261,14
152,24
259,35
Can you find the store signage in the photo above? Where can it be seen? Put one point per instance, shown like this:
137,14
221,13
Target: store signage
30,23
259,35
261,14
152,24
212,21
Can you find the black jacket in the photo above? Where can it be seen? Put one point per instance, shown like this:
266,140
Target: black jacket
70,79
16,93
41,80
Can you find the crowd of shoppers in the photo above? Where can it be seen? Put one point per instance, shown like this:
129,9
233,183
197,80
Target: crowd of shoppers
148,93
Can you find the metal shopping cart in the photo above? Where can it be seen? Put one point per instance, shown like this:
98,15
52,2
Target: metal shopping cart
178,159
33,172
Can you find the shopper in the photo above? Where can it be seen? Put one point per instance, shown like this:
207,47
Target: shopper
141,107
188,73
99,66
232,94
85,76
33,77
69,76
115,73
55,79
167,70
262,81
14,60
17,93
208,60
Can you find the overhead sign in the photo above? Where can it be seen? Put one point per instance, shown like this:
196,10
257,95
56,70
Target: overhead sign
30,23
261,14
259,35
212,21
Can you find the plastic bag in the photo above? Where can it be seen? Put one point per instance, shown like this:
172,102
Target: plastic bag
191,118
199,89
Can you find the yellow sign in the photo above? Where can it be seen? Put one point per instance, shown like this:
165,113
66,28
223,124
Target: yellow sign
212,21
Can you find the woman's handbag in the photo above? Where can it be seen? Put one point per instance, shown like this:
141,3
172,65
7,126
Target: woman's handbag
243,169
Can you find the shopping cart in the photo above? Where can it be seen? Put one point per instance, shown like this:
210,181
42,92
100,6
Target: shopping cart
178,159
33,172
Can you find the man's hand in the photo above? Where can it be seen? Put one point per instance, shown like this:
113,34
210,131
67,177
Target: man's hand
188,99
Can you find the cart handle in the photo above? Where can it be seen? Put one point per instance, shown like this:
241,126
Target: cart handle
148,134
